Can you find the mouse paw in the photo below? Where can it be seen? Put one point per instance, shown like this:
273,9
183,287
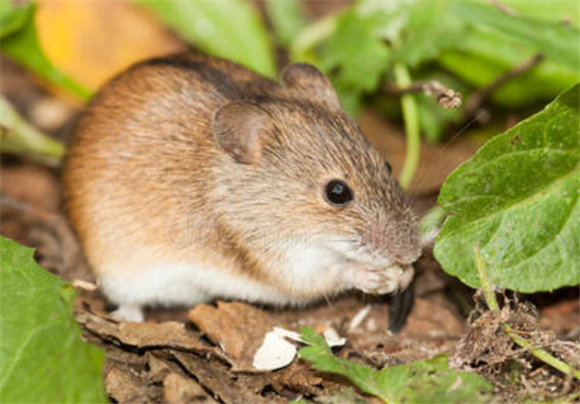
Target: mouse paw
129,313
378,281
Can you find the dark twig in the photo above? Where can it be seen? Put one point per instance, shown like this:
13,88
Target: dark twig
444,96
474,102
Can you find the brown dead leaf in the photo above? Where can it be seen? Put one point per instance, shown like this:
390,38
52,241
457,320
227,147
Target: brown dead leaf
126,387
236,327
170,334
227,386
178,389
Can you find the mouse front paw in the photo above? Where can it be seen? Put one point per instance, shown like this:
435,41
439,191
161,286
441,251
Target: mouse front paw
379,281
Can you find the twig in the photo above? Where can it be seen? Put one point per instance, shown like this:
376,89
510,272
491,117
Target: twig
411,118
490,299
476,99
444,96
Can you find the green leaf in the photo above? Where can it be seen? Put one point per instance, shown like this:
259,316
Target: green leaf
287,19
431,381
231,29
518,199
484,55
429,29
44,359
557,41
13,18
20,43
554,10
415,382
431,222
355,57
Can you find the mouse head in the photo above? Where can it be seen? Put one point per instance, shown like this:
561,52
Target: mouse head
300,176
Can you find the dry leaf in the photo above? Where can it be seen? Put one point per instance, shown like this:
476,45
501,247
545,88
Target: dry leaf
237,328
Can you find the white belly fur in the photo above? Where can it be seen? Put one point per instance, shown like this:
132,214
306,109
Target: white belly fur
180,283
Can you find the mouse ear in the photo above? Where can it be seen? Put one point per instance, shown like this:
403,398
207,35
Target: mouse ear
311,82
238,127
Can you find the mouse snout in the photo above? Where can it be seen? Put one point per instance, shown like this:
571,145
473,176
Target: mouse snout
399,242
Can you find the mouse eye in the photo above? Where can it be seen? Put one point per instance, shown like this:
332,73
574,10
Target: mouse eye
338,193
389,168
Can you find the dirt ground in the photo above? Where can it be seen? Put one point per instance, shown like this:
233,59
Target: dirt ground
205,355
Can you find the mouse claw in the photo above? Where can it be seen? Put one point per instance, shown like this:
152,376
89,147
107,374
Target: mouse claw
400,306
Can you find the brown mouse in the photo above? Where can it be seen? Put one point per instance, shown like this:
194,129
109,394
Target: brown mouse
190,178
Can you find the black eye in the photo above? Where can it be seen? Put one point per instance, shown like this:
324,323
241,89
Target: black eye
337,193
389,169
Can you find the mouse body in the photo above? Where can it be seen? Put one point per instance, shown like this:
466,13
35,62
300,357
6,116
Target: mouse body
190,178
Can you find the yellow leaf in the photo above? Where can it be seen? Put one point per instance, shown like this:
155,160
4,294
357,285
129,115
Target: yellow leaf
93,40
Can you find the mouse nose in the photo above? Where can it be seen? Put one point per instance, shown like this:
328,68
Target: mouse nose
399,242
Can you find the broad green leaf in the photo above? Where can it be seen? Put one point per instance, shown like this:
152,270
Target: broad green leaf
44,359
558,11
429,29
558,42
518,199
431,381
414,382
20,43
355,56
484,55
18,136
287,19
320,355
231,29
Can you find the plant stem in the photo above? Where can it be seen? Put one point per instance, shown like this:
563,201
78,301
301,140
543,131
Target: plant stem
411,119
19,137
541,354
301,48
486,286
490,299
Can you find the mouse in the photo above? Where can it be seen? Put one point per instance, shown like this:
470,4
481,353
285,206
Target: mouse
190,178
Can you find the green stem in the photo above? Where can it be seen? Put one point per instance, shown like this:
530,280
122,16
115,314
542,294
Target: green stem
490,299
303,44
486,286
412,127
541,354
19,137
